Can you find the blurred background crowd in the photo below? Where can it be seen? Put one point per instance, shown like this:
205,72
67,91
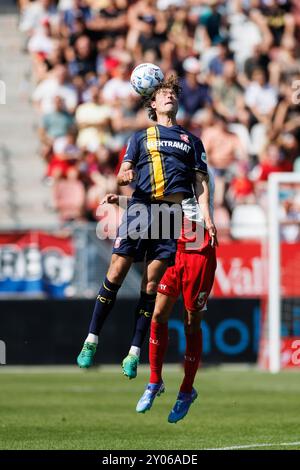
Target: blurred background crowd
238,62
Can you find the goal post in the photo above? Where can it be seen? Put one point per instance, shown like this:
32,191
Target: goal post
274,313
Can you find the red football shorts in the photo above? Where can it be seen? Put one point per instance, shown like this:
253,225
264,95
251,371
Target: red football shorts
193,274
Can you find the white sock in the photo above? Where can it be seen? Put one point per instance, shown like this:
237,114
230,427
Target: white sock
135,351
92,338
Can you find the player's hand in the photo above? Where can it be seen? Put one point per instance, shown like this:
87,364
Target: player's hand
110,199
129,176
212,233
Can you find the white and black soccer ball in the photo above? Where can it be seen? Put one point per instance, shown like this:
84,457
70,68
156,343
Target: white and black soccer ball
145,78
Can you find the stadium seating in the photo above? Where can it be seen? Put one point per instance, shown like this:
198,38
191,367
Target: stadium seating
233,93
24,198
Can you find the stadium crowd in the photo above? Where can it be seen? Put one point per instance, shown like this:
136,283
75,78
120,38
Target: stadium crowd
239,67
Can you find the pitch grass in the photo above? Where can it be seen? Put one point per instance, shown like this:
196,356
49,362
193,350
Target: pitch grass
74,409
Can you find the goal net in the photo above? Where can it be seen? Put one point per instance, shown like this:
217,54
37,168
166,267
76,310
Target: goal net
280,338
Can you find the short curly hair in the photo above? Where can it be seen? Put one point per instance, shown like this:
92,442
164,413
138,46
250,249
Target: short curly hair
172,83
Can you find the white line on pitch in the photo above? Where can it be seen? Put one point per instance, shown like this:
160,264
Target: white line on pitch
248,446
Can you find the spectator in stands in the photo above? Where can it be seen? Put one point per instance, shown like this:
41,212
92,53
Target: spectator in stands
102,180
149,39
271,160
43,65
248,29
288,143
111,19
228,97
84,59
93,120
261,99
54,125
241,188
80,10
69,196
194,95
79,29
57,84
286,116
278,19
137,14
211,19
41,42
236,62
223,149
258,60
58,123
118,87
66,155
34,12
223,53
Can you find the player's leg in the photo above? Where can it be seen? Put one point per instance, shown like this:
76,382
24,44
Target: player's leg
157,348
159,336
153,272
105,300
198,278
142,318
197,282
187,394
193,352
163,249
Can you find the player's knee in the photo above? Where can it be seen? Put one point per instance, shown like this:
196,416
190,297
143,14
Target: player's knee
115,277
117,271
115,274
192,322
159,316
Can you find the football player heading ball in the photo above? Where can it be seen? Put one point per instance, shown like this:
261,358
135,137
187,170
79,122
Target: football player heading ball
167,162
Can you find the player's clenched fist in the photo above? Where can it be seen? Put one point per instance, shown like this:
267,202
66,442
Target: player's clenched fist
212,233
128,176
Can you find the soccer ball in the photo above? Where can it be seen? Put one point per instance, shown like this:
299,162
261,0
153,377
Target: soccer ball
145,78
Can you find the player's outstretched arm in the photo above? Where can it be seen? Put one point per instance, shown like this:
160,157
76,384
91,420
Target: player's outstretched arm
202,195
126,174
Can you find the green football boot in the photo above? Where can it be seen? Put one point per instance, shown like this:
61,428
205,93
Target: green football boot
86,356
129,366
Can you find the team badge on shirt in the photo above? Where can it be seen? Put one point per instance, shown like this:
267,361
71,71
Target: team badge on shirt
185,138
201,299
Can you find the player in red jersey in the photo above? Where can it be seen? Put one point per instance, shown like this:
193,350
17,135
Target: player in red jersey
193,275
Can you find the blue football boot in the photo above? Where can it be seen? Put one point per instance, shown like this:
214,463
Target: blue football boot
146,400
182,405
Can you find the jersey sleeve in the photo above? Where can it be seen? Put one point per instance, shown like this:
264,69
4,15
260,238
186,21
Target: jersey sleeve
132,151
200,157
